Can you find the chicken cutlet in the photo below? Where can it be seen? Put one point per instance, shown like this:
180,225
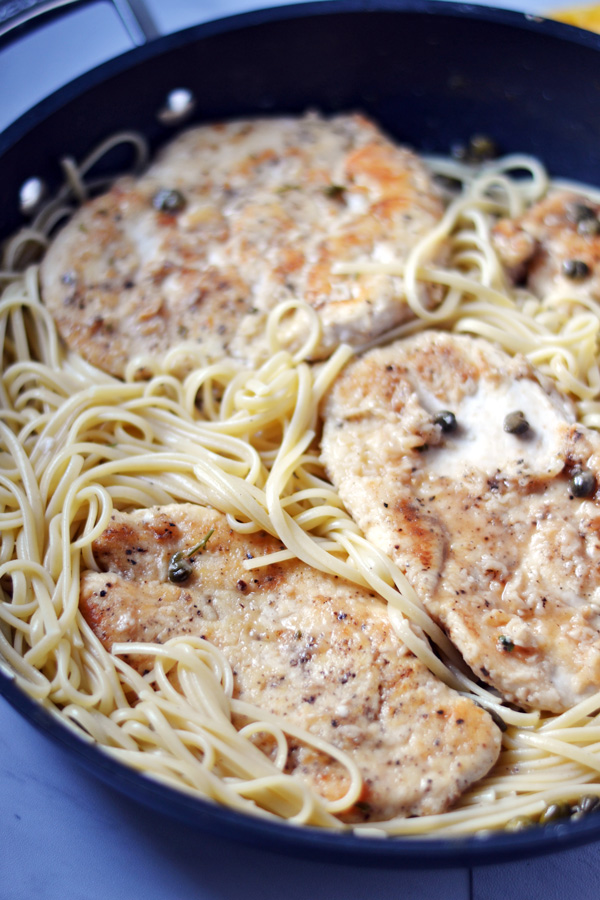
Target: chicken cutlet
554,247
469,470
308,647
231,220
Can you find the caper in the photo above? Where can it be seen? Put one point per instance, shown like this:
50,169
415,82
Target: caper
585,217
554,812
363,806
519,823
581,212
179,569
168,200
482,147
446,420
516,423
479,148
575,269
583,482
587,804
335,191
588,227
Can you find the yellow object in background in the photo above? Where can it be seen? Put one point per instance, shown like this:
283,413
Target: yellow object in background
581,16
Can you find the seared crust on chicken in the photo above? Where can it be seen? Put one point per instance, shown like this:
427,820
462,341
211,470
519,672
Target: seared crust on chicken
255,213
497,530
309,647
554,247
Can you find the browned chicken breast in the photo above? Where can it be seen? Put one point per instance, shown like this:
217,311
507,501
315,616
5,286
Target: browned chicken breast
554,246
231,220
470,472
306,646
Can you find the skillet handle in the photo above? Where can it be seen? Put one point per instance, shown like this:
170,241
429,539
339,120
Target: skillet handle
25,15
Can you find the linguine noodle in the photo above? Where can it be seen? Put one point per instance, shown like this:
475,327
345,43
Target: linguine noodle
76,443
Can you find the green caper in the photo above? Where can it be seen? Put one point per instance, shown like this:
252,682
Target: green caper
554,812
482,147
587,804
575,269
180,567
585,217
446,420
479,148
583,482
335,191
168,200
519,823
580,212
363,806
588,227
516,423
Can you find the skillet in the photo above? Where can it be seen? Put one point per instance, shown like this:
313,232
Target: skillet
432,74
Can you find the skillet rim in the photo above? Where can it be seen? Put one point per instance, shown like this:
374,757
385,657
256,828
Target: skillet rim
307,842
156,47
